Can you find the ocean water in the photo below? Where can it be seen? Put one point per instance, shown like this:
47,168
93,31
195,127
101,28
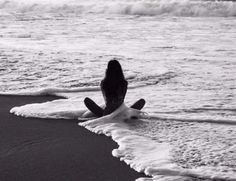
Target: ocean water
179,55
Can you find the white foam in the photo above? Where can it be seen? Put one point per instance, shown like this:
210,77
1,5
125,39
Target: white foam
189,119
139,152
61,108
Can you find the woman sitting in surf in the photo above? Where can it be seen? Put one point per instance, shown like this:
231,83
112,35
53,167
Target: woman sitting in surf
114,88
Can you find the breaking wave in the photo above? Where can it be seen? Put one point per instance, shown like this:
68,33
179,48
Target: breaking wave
186,8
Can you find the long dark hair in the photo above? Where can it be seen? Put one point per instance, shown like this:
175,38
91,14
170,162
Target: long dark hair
114,77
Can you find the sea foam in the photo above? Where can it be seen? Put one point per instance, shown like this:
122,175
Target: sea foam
144,154
61,108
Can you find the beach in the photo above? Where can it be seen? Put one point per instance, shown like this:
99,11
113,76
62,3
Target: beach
177,55
49,149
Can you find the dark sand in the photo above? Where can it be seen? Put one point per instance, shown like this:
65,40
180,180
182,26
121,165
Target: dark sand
54,150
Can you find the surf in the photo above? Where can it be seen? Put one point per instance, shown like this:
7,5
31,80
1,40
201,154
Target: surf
185,8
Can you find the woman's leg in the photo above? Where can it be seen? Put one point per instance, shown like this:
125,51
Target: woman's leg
139,104
93,107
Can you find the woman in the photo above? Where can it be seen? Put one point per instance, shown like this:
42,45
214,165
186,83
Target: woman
114,88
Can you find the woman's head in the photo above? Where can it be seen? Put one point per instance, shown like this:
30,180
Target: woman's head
114,84
114,70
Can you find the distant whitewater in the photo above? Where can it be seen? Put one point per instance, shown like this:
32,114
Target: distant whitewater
180,56
131,7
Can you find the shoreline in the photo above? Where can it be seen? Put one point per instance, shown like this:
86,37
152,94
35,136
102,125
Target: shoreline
54,149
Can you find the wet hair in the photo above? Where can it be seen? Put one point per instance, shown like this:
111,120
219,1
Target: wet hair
114,78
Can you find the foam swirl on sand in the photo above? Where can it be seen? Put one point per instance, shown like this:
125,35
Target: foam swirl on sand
142,153
132,147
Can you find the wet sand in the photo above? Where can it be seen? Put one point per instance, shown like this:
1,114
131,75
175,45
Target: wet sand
46,149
